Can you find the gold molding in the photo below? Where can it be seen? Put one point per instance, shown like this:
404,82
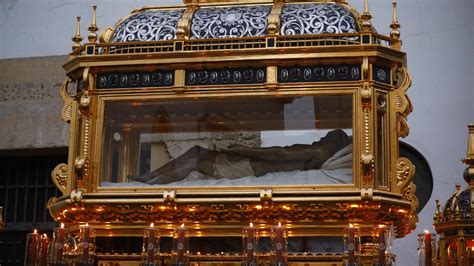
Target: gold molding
274,18
184,23
59,176
317,213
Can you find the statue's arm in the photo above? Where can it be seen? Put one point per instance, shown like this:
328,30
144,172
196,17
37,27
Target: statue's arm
288,153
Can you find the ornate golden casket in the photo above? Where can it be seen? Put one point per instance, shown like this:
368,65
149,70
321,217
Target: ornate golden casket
217,114
454,223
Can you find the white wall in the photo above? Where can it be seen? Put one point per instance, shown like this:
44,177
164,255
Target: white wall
437,35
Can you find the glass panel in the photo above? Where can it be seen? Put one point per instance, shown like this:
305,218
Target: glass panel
382,141
291,140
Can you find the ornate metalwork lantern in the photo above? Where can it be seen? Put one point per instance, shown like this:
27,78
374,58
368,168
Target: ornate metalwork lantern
218,114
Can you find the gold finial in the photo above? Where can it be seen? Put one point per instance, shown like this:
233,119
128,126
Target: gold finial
92,37
395,33
366,17
458,187
469,160
437,214
77,38
470,145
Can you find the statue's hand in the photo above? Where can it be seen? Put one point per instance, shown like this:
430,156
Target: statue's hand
234,149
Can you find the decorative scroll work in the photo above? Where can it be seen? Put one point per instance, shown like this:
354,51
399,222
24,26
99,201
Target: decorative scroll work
403,104
151,25
405,172
136,213
230,22
66,112
405,176
316,19
59,176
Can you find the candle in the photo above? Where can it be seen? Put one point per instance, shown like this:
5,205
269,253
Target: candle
44,250
33,241
150,246
382,245
58,244
180,246
250,244
428,252
279,244
351,244
86,235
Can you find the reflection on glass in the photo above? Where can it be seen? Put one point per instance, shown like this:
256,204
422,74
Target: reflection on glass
222,142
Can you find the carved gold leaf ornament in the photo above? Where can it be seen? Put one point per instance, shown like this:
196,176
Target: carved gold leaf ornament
405,174
59,176
66,112
403,104
133,214
403,127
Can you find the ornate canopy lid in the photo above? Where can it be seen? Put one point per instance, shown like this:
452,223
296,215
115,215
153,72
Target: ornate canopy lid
224,20
458,206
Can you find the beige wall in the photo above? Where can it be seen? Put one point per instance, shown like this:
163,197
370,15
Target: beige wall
30,104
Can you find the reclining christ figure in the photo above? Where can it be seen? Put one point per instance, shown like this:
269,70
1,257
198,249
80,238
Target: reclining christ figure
239,161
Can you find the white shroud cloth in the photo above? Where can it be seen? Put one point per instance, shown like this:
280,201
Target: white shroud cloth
336,170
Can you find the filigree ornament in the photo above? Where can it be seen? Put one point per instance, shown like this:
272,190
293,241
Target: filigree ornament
139,212
59,176
66,112
230,22
403,104
405,173
151,25
403,128
316,19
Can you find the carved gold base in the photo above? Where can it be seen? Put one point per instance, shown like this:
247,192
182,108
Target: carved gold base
304,215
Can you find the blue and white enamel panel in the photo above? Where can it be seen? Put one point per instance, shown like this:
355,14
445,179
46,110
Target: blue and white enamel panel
230,22
316,18
151,25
